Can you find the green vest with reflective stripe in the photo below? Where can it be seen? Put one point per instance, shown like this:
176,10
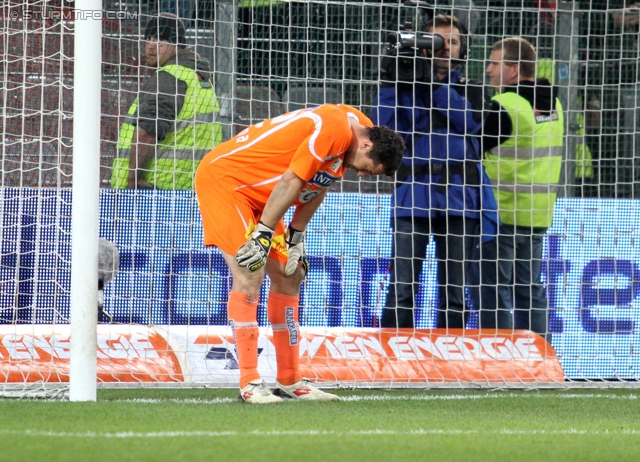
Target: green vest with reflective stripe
525,169
180,151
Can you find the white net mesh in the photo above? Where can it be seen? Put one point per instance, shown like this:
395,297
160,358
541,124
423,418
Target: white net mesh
164,316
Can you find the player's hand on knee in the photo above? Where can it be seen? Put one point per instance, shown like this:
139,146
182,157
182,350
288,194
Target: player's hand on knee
296,252
253,255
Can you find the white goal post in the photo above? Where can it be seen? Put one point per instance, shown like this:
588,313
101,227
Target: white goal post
70,73
85,216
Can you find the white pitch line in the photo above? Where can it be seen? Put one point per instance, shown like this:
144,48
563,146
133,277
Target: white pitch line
272,433
391,397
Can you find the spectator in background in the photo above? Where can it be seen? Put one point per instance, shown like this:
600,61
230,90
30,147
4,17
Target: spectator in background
610,31
522,144
543,37
172,124
441,187
184,9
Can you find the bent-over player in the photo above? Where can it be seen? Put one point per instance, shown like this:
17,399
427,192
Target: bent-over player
245,186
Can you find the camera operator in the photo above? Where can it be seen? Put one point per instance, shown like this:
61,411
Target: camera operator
441,188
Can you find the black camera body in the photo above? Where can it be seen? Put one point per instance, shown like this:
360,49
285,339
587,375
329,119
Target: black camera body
407,43
404,59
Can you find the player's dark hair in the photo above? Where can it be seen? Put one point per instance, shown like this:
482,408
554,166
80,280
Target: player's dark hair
388,148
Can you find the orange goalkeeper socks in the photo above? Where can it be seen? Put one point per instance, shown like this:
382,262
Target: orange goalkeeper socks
283,316
242,312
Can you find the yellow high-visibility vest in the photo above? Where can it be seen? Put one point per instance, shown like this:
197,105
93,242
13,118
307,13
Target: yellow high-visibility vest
180,151
525,169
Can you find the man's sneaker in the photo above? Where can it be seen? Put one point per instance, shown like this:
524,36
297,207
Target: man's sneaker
257,392
303,390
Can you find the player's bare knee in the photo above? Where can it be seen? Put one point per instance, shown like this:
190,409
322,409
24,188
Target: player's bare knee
246,281
280,280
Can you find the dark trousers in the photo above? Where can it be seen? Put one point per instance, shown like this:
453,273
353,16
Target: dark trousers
511,281
456,239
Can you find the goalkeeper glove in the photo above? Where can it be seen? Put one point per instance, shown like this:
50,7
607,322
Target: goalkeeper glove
255,252
295,249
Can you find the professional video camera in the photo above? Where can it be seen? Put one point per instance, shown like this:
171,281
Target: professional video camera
403,55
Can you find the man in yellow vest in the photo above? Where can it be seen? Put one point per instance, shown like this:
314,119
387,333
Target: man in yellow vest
172,124
522,145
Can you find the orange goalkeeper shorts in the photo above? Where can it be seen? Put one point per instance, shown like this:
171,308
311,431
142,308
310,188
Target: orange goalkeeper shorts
228,222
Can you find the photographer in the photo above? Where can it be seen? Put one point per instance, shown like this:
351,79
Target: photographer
441,188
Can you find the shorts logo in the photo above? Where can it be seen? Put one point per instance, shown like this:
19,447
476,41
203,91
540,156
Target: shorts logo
291,325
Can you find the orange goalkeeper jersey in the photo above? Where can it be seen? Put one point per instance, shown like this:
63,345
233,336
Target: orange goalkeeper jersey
311,142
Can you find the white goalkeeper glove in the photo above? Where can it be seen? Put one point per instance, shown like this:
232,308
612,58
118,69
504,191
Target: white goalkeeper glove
255,252
295,249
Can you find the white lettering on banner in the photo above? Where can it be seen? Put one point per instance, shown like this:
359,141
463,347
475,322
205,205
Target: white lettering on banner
126,345
424,344
143,346
40,342
453,348
450,349
122,347
17,349
311,346
500,348
366,344
467,353
108,348
24,347
348,348
335,353
61,346
528,349
402,349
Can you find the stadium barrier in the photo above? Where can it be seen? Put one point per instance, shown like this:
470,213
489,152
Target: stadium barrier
167,278
206,355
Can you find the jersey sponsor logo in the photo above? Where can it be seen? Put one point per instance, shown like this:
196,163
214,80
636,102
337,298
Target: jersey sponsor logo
324,179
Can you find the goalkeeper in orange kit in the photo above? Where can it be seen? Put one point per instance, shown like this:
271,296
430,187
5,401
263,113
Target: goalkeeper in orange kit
245,186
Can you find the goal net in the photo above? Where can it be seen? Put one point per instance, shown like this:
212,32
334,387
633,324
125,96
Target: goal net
162,319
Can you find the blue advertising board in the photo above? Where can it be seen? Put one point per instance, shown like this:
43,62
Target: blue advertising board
167,276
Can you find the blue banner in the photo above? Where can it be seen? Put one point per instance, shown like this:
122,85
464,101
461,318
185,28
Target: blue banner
167,276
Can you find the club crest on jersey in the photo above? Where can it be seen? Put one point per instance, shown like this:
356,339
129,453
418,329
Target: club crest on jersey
307,194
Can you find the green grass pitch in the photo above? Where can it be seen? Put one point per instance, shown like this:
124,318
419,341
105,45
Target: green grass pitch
373,425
